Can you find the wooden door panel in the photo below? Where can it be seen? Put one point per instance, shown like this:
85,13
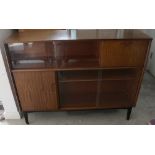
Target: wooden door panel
36,90
123,53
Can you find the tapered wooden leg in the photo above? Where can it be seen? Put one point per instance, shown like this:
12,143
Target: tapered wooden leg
26,117
129,113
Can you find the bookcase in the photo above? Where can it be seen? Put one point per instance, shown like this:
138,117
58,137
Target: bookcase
52,71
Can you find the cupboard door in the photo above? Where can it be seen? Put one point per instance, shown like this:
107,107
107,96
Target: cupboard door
123,53
36,90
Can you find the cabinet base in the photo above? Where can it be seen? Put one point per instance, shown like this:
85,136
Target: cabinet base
26,117
129,113
129,110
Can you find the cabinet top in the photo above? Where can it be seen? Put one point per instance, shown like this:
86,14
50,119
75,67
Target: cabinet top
48,35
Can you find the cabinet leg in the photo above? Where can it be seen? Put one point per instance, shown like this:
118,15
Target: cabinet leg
26,117
129,113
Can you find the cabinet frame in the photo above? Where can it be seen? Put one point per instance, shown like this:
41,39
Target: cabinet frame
102,63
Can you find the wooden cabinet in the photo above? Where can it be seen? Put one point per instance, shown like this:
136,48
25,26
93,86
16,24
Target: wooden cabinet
53,71
36,90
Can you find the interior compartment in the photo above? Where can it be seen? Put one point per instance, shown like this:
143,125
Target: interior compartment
78,75
77,53
120,74
78,94
31,54
117,94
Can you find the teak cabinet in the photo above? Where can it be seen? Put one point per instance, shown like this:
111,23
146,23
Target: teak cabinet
52,71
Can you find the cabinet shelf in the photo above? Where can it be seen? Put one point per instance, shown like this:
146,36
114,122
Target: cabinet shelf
98,75
119,74
31,65
80,75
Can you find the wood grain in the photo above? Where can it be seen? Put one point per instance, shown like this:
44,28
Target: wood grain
47,35
93,73
118,53
36,90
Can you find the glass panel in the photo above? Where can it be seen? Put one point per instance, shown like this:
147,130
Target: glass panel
105,88
78,94
117,94
31,54
77,53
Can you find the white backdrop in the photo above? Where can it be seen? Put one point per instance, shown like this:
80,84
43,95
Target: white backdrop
6,95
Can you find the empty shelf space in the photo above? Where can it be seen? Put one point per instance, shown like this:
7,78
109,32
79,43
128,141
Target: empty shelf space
17,57
72,101
98,74
32,65
80,75
114,100
113,94
78,94
119,74
79,63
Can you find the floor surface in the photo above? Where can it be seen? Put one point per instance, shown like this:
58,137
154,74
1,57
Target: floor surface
141,115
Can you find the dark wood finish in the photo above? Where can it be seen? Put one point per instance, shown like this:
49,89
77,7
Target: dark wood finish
36,90
79,75
120,74
31,51
85,49
117,93
53,70
46,35
129,113
120,53
80,94
26,117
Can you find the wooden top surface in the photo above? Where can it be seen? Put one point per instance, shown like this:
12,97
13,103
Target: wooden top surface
47,35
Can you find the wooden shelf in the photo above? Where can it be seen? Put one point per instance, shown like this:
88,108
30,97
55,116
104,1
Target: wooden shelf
85,63
98,75
80,75
33,66
49,62
22,56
